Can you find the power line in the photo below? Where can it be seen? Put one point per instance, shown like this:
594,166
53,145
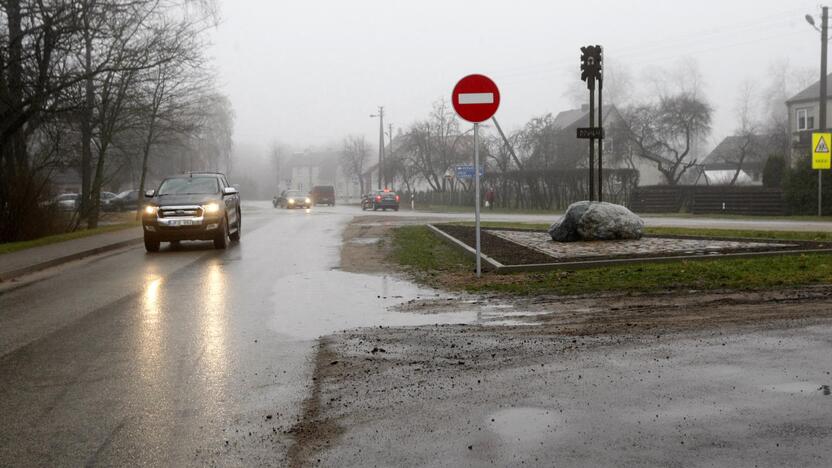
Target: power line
767,22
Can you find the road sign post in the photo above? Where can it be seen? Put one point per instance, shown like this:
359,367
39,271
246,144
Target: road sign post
476,98
477,196
821,160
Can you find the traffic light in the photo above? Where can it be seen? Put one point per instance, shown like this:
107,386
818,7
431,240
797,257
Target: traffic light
592,63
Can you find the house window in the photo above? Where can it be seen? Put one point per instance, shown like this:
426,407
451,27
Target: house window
804,120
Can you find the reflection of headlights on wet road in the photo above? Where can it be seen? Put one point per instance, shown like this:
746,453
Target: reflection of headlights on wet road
291,201
150,209
211,208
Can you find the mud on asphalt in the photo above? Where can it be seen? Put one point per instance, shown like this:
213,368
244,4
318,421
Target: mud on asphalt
543,384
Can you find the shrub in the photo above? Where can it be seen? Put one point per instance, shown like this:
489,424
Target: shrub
774,171
800,188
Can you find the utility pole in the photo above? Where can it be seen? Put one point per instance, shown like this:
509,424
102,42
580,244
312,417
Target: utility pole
381,182
824,32
381,178
389,156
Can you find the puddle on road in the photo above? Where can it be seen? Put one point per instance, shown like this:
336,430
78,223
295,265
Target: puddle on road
309,305
525,426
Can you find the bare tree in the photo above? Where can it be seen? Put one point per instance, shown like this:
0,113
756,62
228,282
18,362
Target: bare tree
434,145
354,157
748,127
71,75
665,132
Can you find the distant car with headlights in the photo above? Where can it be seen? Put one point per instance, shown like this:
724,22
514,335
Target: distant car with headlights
292,199
381,200
194,206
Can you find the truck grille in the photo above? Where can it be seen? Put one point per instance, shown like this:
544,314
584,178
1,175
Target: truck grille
180,212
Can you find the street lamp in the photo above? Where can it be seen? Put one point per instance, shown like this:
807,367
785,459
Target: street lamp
380,116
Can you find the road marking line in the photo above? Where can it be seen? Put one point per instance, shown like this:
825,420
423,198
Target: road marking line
476,98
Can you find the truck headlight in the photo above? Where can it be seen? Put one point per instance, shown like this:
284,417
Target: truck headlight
308,200
150,209
291,201
211,208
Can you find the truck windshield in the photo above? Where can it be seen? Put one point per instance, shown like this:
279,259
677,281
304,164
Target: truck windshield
189,186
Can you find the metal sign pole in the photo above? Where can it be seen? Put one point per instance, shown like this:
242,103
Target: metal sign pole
820,192
477,195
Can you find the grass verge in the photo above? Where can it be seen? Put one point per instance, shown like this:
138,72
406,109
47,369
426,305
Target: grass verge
17,246
435,263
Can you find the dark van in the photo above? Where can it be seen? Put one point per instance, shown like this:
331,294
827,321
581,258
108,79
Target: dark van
323,195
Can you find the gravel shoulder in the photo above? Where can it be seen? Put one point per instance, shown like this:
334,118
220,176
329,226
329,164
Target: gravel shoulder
677,379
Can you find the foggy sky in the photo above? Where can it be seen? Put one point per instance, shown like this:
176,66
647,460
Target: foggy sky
307,72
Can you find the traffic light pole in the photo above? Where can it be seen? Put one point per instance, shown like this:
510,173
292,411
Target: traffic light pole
600,140
592,140
592,66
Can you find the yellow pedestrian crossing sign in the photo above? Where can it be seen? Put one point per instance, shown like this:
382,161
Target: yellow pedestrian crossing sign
821,156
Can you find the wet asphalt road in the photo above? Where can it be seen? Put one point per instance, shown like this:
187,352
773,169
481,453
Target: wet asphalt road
186,357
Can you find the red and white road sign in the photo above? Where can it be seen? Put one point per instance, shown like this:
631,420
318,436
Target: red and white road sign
476,98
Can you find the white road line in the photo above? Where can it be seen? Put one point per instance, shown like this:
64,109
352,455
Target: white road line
476,98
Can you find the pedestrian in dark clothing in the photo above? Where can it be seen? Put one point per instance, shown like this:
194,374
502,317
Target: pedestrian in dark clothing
489,198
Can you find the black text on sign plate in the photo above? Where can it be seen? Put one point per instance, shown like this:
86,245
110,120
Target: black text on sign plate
593,132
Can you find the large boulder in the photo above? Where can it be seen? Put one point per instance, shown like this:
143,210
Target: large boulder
587,221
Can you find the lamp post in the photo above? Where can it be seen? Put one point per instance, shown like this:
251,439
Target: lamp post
380,116
824,32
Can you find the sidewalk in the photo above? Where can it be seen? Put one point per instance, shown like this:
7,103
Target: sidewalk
38,258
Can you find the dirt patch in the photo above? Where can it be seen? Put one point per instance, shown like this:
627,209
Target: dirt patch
412,396
366,245
313,433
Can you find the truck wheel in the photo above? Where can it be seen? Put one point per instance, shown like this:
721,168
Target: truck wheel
151,245
221,241
236,236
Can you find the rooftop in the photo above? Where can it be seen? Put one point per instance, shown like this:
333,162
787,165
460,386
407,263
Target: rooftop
812,92
580,116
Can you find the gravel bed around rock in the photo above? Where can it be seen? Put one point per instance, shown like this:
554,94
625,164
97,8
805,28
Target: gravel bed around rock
518,247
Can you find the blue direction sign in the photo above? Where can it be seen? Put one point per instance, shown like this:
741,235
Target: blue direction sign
467,171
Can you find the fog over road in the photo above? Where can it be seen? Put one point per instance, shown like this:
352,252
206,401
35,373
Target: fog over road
193,356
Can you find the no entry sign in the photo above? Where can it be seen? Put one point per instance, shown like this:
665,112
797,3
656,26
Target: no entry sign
476,98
